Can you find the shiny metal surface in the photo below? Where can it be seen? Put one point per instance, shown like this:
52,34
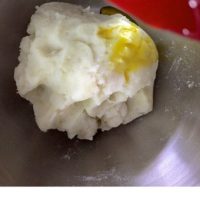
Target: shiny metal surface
159,149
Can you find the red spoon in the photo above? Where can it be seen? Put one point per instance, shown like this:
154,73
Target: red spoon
180,16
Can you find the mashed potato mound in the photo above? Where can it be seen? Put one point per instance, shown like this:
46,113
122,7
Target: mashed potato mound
84,71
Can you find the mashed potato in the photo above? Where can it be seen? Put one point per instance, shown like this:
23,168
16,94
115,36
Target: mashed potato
84,71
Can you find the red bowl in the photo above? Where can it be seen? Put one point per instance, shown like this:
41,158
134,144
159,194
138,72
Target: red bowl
180,16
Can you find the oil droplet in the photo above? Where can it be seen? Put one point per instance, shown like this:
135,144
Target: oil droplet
130,48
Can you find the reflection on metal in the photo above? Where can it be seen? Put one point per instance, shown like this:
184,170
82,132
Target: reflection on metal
171,167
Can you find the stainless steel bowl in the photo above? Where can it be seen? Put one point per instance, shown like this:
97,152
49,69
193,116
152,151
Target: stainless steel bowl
161,148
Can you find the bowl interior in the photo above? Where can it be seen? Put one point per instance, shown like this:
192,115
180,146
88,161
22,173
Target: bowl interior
161,148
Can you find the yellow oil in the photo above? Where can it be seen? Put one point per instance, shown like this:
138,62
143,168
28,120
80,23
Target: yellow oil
130,48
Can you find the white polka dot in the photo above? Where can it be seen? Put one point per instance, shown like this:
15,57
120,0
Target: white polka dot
185,31
193,4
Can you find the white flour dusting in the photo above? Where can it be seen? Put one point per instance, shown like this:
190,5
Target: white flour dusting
190,84
105,175
66,157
